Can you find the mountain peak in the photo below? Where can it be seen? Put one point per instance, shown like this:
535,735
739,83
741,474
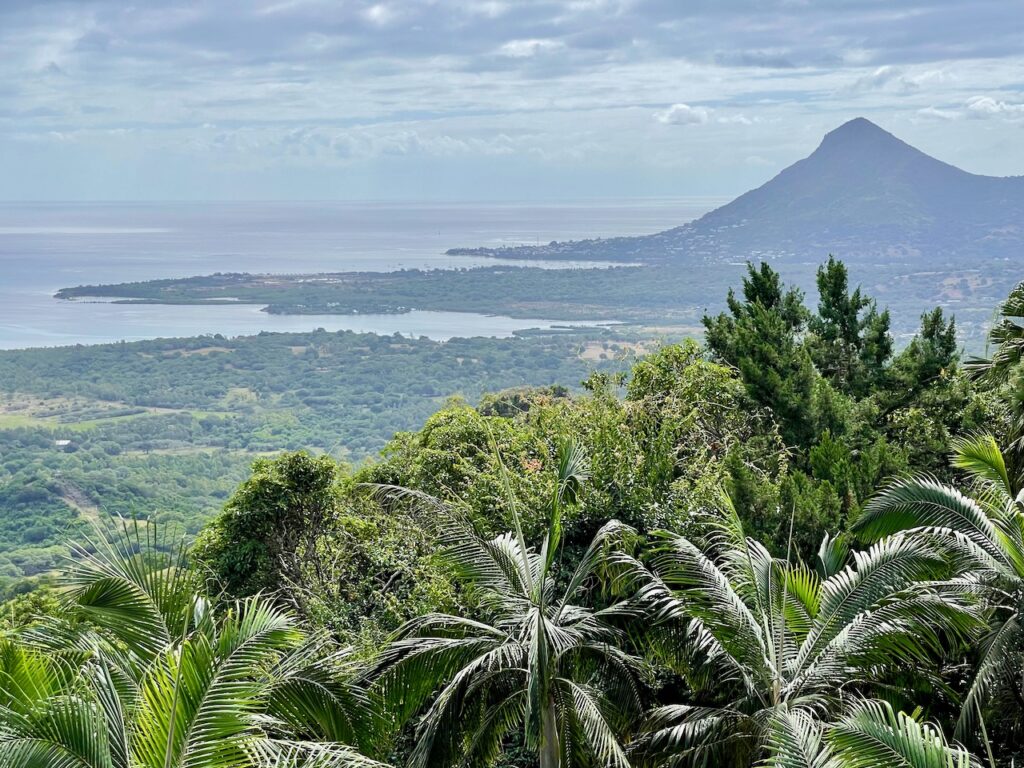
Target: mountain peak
862,193
863,187
859,132
858,125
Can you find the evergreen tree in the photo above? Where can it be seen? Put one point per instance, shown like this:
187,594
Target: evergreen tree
851,342
931,355
761,337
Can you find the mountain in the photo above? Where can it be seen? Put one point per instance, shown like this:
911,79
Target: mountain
862,193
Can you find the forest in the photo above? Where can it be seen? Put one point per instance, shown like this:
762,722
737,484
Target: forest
797,543
165,429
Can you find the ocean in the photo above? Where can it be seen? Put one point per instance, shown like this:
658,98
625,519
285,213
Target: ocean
47,246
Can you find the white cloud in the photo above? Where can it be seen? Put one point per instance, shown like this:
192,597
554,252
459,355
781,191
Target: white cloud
877,79
940,114
896,79
521,49
380,14
737,119
986,106
977,107
683,114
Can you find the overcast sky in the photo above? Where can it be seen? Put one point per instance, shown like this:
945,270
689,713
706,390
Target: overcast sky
492,99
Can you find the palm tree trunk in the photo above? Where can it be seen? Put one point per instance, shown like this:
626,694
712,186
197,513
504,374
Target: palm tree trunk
549,757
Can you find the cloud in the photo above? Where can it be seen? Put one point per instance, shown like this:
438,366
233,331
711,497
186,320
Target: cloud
979,108
766,59
564,82
896,79
380,14
737,119
940,114
683,114
986,106
521,49
879,78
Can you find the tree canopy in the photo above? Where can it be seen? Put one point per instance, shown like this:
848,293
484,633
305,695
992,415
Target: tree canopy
800,544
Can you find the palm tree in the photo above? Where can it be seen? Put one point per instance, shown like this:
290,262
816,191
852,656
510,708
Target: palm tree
155,675
869,735
763,642
1007,340
532,661
983,531
1002,371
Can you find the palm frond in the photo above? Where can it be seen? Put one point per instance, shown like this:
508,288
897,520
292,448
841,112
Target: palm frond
795,740
67,731
873,734
278,753
135,585
602,742
997,666
979,456
883,571
321,698
706,593
923,502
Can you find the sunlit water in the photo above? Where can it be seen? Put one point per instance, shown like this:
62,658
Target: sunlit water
44,247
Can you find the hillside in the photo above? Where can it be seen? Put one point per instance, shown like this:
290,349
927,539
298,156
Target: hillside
862,193
166,428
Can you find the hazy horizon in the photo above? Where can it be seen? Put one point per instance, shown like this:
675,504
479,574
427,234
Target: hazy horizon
188,100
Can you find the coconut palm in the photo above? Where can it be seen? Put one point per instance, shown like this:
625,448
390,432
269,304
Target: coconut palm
761,641
533,663
155,675
983,530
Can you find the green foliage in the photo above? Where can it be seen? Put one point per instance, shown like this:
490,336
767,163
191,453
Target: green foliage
715,580
457,456
871,734
983,533
536,661
851,343
655,456
166,429
760,337
751,636
930,356
299,527
271,524
377,569
160,675
852,412
24,610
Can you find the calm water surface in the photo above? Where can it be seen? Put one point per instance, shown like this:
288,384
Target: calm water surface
44,247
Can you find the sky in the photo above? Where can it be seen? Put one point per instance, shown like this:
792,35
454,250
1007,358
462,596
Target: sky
487,100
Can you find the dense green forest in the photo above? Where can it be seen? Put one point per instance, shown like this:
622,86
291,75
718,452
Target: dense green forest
796,544
165,429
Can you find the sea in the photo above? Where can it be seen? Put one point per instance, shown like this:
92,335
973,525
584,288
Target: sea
48,246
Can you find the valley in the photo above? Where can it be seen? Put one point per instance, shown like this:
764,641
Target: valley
165,429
